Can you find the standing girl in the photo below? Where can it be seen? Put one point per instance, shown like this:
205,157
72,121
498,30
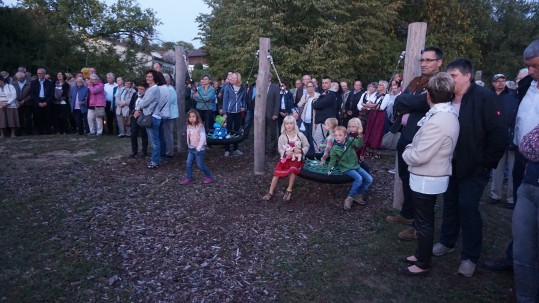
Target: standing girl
196,140
290,135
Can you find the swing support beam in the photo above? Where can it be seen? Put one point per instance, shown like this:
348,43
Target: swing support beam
262,84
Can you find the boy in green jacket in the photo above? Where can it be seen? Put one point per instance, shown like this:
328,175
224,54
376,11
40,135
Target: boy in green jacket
343,155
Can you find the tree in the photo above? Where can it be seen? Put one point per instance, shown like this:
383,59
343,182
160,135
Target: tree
65,34
336,38
172,45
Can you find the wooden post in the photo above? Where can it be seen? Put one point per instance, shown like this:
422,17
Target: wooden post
417,33
181,72
262,84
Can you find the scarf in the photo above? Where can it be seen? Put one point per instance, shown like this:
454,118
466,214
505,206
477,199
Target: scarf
438,108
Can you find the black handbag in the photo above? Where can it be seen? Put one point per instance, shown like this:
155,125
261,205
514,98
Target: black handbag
144,120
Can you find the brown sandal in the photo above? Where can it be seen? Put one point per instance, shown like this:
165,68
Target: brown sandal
267,197
287,195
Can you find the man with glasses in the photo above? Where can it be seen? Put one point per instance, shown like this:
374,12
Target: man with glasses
408,116
324,108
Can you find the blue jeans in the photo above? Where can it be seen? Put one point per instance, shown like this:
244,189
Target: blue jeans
153,134
193,154
362,181
461,209
526,243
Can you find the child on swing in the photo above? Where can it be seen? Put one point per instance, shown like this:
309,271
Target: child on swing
290,134
343,155
329,126
355,129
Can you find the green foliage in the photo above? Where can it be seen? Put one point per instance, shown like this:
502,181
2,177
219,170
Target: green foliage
319,37
64,35
349,39
172,45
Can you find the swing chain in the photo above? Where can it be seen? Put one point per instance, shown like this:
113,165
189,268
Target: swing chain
252,66
270,58
187,66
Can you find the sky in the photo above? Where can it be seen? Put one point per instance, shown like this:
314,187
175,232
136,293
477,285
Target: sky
177,18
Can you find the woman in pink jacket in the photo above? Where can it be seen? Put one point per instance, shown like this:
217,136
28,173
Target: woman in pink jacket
96,105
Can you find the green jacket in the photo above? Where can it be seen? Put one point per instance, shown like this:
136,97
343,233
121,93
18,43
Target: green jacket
349,159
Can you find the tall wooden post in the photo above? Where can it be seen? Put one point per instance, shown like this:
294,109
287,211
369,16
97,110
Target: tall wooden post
417,33
181,72
262,84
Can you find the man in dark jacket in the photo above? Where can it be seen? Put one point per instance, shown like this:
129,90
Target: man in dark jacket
411,106
509,106
286,103
481,143
350,105
42,92
324,108
272,112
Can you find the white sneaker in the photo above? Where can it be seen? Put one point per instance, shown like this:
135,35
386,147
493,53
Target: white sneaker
466,268
227,154
237,152
439,249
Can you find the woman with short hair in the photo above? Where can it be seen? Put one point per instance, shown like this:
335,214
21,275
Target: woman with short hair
429,159
78,106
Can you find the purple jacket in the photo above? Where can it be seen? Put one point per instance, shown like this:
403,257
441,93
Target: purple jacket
97,94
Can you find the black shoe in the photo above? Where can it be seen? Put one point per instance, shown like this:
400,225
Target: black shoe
143,155
509,205
498,265
132,155
493,201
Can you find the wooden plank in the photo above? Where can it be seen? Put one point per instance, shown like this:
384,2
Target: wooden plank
181,72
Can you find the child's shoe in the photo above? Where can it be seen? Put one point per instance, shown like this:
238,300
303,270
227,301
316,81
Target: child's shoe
207,180
185,181
348,202
359,199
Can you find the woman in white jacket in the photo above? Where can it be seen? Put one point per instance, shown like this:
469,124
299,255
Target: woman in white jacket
9,116
429,159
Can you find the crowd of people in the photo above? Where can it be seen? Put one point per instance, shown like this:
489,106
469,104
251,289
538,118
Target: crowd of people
453,134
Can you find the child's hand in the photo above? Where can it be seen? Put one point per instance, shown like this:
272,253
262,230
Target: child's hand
322,162
289,153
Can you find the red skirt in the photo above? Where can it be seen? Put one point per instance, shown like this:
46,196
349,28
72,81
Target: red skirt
375,129
283,169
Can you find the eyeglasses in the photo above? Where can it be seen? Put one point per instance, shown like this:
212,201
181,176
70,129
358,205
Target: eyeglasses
428,60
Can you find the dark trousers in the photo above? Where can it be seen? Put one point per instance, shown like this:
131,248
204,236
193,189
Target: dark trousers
407,210
271,137
249,116
81,122
207,118
233,124
423,205
110,119
135,131
26,120
461,209
309,135
43,121
60,115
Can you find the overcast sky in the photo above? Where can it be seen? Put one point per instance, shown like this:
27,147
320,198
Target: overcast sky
178,18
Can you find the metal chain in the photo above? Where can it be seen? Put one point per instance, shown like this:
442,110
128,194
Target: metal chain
252,66
187,66
270,58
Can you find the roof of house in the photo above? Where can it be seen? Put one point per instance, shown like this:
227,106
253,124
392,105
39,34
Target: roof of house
196,53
